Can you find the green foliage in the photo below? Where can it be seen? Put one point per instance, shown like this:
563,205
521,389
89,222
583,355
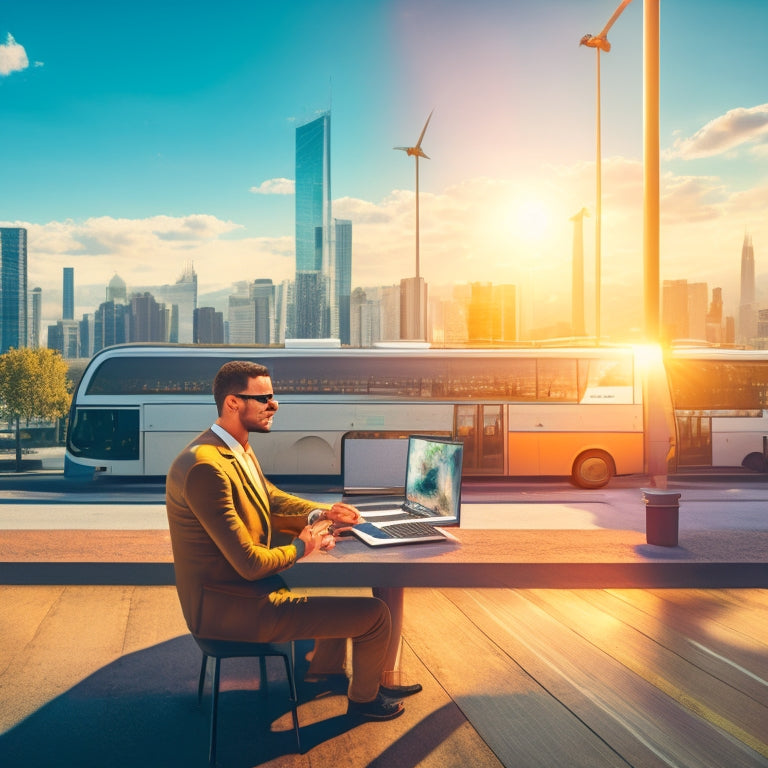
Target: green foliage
33,384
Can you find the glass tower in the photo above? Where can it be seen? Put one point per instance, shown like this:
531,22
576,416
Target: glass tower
68,302
315,270
343,282
13,288
747,309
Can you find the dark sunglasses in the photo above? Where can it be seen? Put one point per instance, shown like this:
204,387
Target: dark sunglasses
260,398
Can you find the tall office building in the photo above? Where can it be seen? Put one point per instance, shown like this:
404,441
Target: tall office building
674,309
183,295
64,337
315,295
492,313
13,288
684,310
263,296
389,299
35,317
343,276
208,326
413,308
747,309
110,324
149,320
68,294
697,310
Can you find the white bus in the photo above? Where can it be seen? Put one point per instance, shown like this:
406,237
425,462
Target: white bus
720,399
578,412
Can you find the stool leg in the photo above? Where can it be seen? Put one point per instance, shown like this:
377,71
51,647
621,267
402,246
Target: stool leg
263,679
214,711
294,699
201,681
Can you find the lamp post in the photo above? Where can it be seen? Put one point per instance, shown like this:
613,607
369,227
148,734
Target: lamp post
651,208
600,43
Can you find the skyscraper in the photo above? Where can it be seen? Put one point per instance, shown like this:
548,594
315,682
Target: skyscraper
747,309
13,288
315,269
68,296
413,308
263,297
183,295
208,326
35,318
343,277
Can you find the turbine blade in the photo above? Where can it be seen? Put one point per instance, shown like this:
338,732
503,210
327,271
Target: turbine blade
424,129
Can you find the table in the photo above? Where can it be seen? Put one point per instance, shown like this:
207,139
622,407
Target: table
561,559
542,559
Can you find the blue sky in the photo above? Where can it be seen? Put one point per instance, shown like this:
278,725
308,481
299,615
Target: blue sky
139,136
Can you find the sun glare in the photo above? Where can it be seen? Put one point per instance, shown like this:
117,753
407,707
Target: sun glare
531,221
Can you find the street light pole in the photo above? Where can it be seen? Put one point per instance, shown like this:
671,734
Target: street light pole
651,208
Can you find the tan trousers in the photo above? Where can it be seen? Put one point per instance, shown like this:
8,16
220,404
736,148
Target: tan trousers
364,619
329,656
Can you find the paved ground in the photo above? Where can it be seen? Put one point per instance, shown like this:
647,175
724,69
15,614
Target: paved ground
104,675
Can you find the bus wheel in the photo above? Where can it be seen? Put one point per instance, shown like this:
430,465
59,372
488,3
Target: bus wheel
592,469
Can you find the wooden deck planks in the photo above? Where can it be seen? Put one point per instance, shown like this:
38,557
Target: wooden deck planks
642,723
726,653
522,722
711,702
521,678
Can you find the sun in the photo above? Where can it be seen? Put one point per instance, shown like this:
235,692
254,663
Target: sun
531,220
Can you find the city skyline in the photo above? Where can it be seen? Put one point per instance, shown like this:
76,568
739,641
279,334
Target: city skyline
168,139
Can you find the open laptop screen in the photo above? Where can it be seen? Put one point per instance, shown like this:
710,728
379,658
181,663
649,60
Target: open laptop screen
433,475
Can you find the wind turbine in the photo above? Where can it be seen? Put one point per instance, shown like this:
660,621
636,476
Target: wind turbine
600,43
416,151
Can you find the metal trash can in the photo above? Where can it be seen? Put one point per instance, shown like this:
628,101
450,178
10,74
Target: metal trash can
662,514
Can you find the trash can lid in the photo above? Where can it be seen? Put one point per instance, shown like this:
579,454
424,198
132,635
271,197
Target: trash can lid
659,495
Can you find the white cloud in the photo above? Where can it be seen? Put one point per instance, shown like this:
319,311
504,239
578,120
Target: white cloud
147,251
274,187
13,57
724,134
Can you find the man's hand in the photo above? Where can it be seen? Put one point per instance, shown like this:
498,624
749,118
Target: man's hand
317,536
343,514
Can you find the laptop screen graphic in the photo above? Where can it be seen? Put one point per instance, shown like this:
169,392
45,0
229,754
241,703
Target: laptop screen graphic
433,476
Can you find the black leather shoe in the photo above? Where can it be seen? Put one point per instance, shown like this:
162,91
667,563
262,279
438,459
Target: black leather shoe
400,691
381,708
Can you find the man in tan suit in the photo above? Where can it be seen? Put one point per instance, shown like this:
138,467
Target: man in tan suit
222,515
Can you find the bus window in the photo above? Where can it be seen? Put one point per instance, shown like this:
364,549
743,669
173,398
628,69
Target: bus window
105,433
557,380
155,376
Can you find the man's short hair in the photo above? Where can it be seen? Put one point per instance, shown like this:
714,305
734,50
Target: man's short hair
233,377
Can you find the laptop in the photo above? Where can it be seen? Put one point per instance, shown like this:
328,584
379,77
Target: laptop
432,497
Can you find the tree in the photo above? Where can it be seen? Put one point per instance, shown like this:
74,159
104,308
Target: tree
33,385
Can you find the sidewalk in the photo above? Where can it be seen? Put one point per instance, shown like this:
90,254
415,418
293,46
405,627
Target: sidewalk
100,668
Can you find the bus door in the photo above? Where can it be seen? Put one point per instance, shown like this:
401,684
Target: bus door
481,429
694,439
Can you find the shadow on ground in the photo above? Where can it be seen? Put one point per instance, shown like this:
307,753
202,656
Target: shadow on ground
142,710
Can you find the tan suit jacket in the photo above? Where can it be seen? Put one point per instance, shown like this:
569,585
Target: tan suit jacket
222,526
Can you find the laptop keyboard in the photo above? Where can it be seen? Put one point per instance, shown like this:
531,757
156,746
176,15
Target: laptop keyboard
410,530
